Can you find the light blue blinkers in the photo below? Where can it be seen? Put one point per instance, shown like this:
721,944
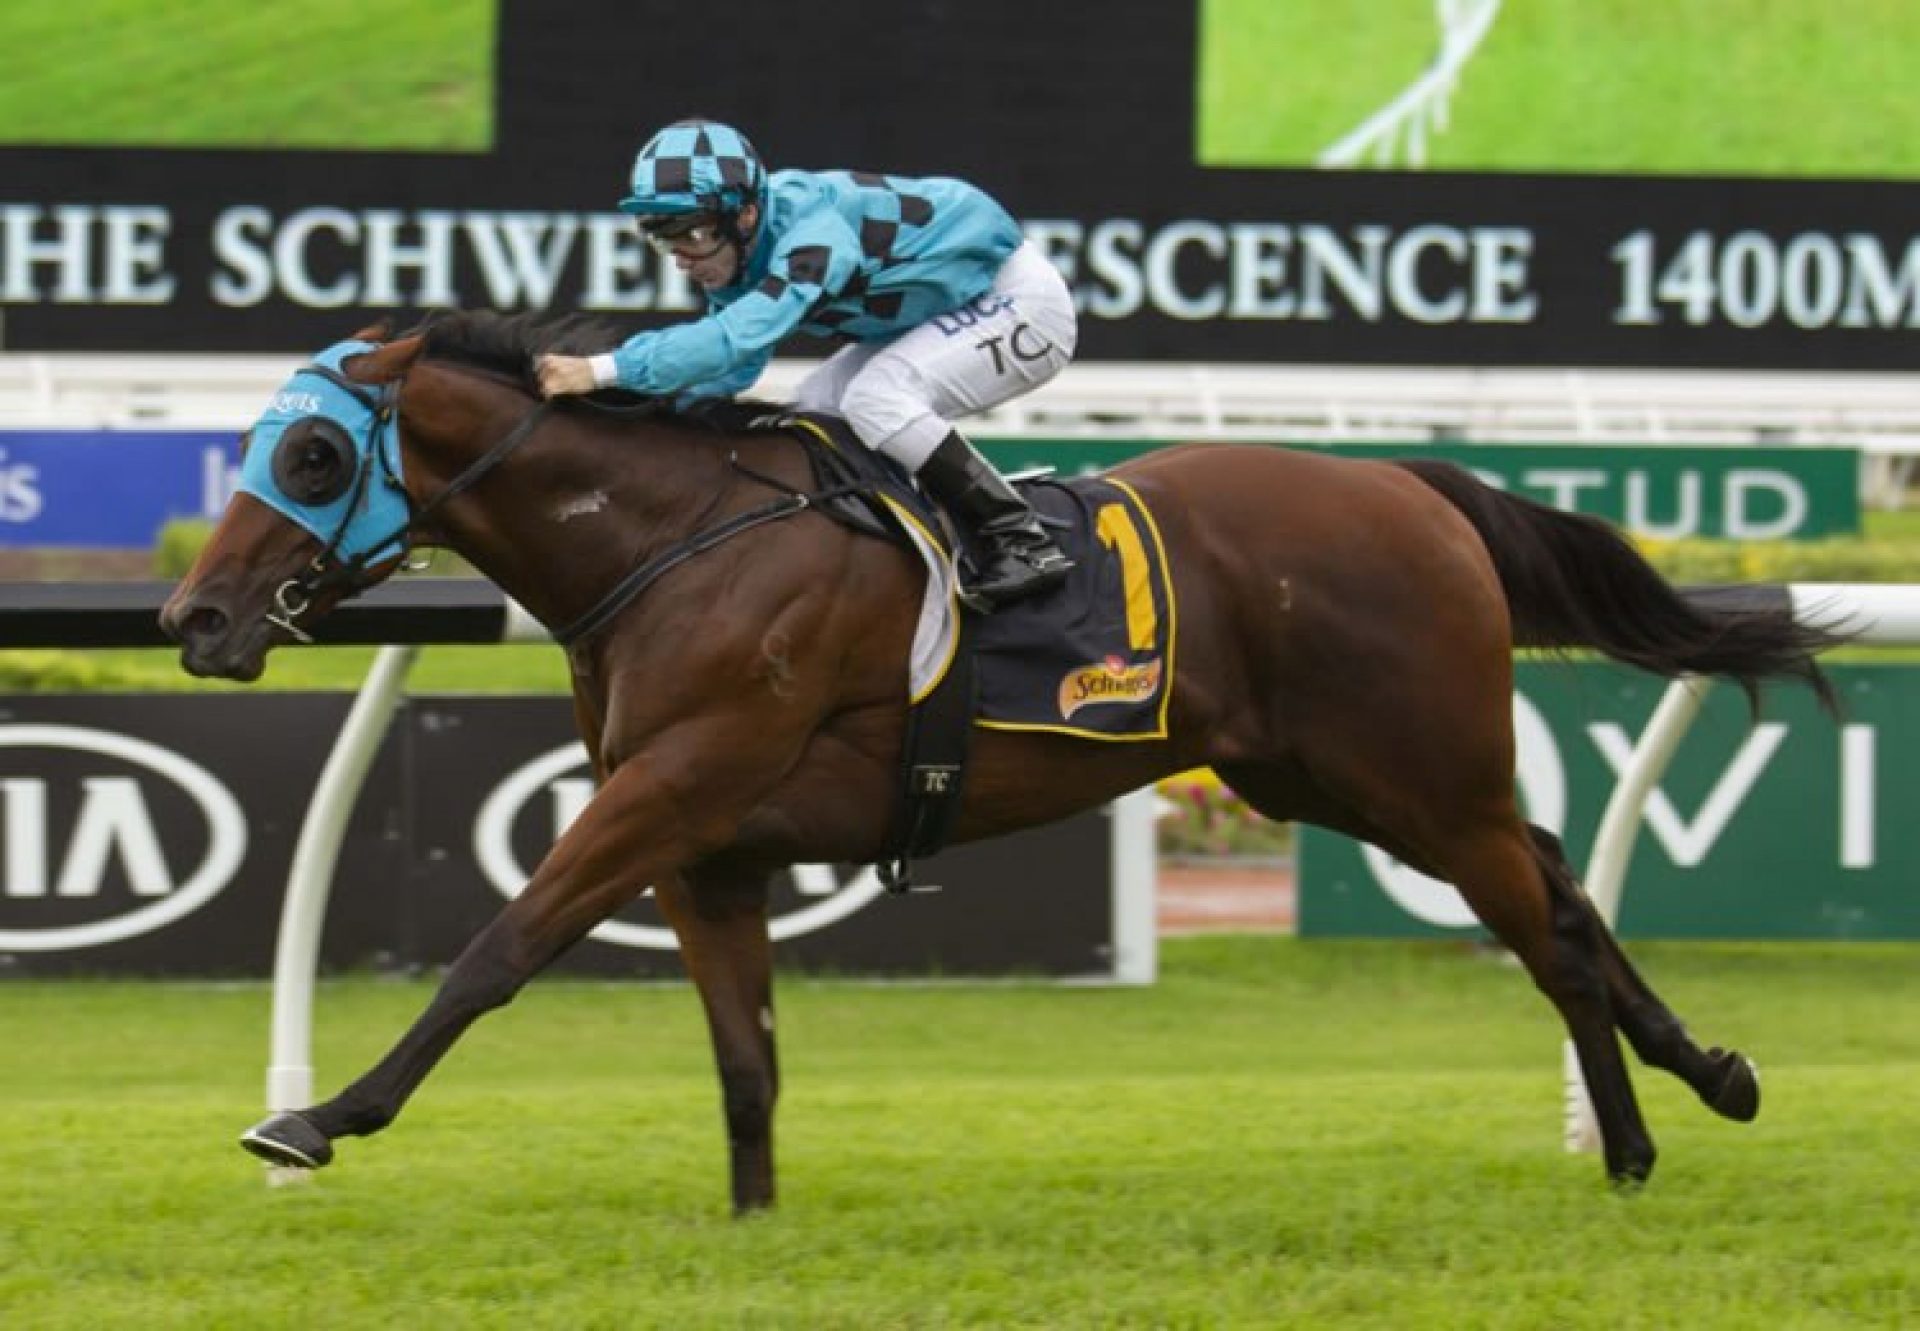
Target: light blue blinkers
367,523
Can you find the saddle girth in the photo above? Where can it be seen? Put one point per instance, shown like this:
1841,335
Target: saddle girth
933,769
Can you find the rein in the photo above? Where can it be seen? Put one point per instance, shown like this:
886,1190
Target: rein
327,570
629,588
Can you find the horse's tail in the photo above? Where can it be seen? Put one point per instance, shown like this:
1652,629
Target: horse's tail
1574,581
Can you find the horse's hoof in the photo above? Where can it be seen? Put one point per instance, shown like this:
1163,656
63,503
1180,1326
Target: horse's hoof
1628,1170
1627,1177
1736,1090
289,1141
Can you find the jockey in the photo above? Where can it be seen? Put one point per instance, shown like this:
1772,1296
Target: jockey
946,308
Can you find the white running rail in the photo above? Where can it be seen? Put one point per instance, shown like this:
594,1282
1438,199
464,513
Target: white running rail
1398,132
1877,412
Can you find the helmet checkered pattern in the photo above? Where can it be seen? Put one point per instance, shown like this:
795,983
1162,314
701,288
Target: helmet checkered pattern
695,166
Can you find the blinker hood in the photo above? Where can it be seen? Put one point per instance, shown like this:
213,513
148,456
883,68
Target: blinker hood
367,523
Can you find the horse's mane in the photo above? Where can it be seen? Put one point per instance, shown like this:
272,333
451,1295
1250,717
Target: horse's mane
511,345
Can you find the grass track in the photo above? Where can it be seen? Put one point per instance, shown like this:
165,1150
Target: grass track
1278,1134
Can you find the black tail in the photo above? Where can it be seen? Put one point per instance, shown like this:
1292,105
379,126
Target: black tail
1574,581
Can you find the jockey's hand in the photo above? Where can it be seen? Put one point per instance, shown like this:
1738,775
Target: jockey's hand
565,374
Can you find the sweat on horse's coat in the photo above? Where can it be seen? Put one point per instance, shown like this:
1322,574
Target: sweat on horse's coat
1345,634
585,506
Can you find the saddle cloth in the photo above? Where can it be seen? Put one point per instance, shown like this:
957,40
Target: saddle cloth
1095,657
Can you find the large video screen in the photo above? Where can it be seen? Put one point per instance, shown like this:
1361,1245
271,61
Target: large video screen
1670,183
1610,87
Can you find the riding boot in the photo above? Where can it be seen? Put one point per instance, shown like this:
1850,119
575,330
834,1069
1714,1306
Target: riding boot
1012,553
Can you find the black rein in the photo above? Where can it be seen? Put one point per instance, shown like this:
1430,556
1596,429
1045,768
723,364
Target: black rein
320,576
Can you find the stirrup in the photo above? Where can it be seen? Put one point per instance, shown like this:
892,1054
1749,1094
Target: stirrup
1043,572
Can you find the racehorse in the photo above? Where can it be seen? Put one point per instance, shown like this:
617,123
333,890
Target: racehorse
1345,634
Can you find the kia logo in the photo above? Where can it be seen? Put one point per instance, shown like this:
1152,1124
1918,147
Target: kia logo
563,775
113,824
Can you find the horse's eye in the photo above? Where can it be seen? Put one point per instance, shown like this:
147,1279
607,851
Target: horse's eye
314,462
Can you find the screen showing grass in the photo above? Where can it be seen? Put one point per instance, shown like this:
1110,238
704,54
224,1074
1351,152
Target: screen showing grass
398,74
1684,87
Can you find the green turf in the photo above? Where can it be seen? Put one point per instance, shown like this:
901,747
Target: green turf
382,74
516,669
1758,87
1279,1134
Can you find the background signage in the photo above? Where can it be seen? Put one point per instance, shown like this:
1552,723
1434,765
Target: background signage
115,490
1085,125
1797,828
110,489
153,835
1666,491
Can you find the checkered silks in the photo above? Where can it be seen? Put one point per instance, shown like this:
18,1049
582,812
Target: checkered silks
695,166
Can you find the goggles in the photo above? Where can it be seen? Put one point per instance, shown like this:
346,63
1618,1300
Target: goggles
700,234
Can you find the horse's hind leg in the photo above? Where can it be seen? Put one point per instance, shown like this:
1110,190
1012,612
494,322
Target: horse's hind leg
1558,938
1488,855
1723,1078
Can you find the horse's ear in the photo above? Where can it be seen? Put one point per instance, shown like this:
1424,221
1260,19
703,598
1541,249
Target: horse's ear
386,362
375,332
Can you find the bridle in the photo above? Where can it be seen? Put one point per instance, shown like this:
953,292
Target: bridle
330,571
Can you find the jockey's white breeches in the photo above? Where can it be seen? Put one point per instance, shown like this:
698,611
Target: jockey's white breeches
901,395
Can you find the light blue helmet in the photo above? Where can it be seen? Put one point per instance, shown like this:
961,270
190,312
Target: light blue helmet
696,166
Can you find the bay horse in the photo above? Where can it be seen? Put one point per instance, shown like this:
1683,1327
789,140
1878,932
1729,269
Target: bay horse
1345,636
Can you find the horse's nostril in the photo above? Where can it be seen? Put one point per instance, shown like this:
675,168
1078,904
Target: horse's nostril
202,623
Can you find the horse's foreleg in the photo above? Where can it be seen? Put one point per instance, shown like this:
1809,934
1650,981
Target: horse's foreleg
602,862
1724,1079
720,917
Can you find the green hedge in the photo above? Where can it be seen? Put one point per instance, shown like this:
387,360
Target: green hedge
179,545
1839,559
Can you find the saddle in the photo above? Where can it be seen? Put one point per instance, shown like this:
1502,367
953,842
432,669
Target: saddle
1092,659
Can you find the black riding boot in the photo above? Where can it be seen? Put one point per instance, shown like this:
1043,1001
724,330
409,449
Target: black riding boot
1012,551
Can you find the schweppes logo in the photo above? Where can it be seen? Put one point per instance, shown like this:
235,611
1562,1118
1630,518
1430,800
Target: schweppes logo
1111,680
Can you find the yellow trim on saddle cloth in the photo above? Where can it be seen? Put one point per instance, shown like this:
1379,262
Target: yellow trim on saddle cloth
1165,572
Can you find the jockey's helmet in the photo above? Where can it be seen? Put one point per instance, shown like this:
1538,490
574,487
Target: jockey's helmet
695,166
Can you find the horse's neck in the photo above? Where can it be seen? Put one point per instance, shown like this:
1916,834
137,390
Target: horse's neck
576,506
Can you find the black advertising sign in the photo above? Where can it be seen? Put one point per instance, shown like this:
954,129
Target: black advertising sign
153,836
506,776
1079,115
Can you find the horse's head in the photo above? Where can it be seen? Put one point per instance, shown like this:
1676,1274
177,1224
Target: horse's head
321,512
